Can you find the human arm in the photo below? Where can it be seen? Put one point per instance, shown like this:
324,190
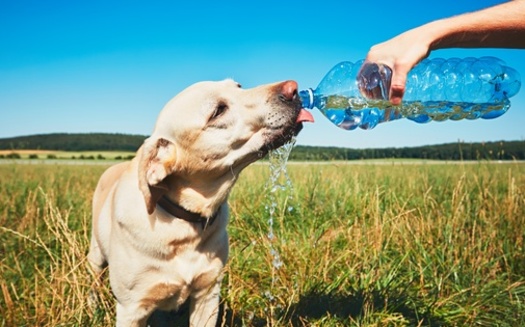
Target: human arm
500,26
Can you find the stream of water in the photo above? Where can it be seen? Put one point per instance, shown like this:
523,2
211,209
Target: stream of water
280,191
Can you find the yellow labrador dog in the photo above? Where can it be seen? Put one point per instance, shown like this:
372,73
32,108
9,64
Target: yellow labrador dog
159,221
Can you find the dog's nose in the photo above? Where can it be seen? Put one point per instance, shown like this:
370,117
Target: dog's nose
289,90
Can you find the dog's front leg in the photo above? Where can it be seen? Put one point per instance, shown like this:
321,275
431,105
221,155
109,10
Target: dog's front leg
204,307
131,316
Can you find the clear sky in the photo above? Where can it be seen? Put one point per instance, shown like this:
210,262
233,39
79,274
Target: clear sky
110,66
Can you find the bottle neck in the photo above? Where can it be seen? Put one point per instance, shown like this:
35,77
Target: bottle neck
307,98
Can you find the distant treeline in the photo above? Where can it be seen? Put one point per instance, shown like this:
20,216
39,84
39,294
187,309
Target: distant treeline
503,150
74,142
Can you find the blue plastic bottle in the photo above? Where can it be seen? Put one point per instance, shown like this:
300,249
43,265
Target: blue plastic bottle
356,95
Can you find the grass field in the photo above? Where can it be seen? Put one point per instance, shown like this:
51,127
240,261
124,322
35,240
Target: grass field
365,245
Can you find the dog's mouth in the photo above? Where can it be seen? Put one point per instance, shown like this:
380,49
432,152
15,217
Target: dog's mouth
304,116
284,121
280,136
290,120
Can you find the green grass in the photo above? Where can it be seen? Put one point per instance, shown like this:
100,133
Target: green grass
366,245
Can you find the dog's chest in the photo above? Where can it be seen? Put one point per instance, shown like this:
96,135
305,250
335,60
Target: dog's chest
173,281
171,258
157,237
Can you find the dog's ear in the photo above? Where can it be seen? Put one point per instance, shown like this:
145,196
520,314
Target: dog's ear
156,163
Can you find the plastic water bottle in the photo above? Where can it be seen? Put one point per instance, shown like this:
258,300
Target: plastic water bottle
356,95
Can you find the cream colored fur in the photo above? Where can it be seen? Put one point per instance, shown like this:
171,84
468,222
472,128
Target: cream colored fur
202,140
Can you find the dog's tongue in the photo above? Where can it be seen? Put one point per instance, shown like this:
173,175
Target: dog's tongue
305,116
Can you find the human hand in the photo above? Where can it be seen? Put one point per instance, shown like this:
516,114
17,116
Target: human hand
400,53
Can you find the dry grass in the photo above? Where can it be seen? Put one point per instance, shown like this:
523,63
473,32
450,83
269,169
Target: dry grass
367,245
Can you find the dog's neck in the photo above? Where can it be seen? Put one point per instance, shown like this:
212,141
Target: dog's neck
179,212
202,198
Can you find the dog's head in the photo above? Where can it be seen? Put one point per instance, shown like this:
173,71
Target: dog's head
209,132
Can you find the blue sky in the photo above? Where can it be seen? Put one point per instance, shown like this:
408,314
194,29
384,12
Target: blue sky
110,66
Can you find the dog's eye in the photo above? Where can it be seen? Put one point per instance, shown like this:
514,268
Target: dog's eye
219,110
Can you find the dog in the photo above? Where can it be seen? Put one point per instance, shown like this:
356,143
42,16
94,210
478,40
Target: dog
159,220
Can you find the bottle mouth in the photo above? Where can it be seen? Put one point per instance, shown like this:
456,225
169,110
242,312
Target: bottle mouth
307,98
374,80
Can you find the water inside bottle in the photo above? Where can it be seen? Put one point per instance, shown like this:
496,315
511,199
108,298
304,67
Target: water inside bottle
352,112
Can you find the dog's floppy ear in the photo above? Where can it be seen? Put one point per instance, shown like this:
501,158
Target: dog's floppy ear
156,163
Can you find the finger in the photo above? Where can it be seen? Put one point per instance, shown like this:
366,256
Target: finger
397,87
